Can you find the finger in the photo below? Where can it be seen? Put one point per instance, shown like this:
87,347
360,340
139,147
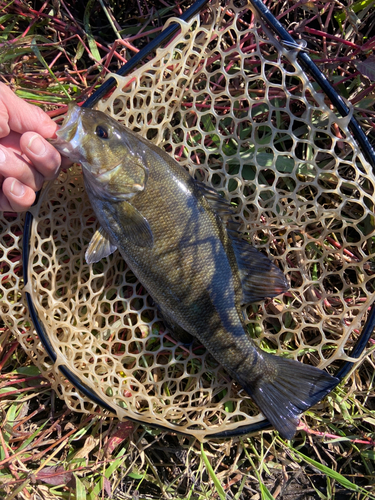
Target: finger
15,196
15,166
22,116
4,119
43,155
65,163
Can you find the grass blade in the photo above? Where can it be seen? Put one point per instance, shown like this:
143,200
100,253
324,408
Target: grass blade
333,474
90,39
265,492
80,489
35,49
213,476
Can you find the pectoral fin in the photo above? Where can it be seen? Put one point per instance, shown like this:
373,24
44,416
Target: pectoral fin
259,276
99,247
135,227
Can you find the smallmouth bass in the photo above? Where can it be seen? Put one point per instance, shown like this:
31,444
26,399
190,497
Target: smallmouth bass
178,237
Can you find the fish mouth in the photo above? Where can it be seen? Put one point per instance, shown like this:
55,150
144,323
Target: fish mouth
69,134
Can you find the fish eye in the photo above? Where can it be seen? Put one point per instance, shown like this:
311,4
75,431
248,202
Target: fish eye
101,132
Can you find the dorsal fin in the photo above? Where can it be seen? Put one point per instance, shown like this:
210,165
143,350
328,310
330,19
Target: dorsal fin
220,205
260,278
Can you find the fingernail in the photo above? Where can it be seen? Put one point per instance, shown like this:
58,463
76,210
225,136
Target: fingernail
2,156
36,146
17,189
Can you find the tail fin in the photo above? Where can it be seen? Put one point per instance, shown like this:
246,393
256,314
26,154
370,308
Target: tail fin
293,390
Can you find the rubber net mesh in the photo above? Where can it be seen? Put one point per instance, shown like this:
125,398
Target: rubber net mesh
233,107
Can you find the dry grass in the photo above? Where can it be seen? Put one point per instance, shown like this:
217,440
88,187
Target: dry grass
56,51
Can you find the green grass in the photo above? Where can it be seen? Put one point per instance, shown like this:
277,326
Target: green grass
46,447
48,451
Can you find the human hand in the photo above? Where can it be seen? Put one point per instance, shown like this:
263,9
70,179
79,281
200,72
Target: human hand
26,158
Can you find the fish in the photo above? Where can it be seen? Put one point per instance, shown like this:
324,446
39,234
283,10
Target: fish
181,241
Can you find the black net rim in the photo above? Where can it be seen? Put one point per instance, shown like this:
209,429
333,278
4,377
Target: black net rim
368,151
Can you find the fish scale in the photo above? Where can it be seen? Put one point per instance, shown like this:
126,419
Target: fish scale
177,236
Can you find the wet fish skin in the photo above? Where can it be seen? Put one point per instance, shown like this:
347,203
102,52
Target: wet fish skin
176,236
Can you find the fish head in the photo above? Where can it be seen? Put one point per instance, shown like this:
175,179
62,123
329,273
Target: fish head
112,166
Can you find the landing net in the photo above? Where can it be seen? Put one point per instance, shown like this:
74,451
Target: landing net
234,107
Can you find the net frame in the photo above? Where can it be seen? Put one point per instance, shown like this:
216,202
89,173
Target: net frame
366,332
